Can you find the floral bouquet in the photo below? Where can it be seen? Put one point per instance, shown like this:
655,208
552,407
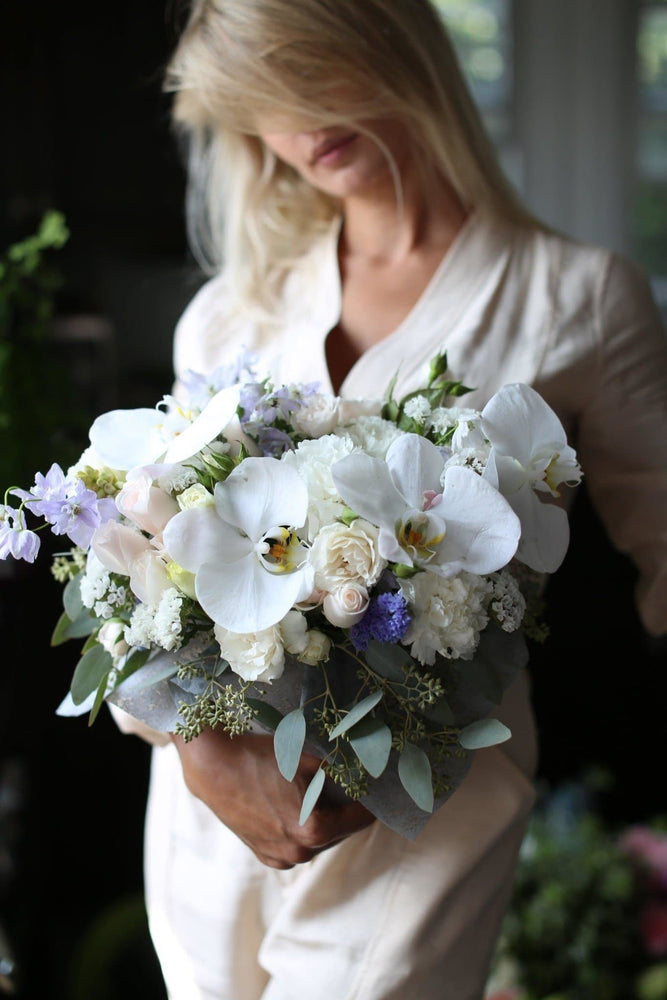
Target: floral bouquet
345,573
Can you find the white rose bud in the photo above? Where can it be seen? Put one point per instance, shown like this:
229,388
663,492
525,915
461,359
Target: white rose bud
347,606
317,649
195,496
346,554
110,638
294,632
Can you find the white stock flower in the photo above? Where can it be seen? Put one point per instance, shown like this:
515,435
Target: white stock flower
157,624
95,580
346,606
140,630
313,460
371,434
342,554
254,656
447,615
508,603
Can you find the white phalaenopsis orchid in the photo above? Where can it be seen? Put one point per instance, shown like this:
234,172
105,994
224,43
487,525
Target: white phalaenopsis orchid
467,526
124,439
249,563
530,453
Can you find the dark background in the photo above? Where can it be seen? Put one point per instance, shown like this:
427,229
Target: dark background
85,129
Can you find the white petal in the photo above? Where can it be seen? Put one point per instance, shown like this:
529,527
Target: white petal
365,485
415,465
211,421
244,597
519,422
545,532
482,529
260,494
197,536
125,438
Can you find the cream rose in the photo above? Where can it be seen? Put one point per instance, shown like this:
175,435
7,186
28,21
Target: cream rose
346,606
254,656
195,496
346,554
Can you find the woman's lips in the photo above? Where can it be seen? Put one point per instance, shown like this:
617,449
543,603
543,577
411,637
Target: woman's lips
330,149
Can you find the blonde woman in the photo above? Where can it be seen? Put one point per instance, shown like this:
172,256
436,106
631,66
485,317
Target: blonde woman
344,196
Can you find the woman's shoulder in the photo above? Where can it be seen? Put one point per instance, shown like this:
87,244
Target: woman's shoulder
208,327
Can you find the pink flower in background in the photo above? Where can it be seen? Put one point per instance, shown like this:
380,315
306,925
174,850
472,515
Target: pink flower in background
651,849
654,927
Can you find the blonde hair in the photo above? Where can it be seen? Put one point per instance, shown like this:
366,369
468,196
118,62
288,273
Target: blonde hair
239,61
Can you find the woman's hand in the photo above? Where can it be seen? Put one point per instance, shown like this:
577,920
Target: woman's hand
239,780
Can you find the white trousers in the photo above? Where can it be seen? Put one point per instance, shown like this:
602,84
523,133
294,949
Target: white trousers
376,917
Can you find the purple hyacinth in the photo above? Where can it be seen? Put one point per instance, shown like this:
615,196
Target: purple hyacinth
386,620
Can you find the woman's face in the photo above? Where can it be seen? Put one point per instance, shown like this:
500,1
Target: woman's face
340,160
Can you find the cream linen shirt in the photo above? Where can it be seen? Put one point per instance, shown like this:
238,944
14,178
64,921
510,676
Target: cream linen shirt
378,917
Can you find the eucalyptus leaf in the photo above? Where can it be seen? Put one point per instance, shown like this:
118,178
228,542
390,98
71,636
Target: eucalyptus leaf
484,733
414,771
312,795
371,741
265,714
387,659
163,674
356,713
134,662
440,712
99,699
67,629
89,672
72,597
288,741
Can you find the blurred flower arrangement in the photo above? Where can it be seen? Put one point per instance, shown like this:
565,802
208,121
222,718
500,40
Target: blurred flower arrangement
588,919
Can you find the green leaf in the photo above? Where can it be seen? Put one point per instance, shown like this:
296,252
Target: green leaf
66,629
312,795
99,698
485,733
404,572
388,659
89,672
414,770
485,678
133,663
348,516
169,669
72,598
440,712
288,741
265,714
371,741
356,713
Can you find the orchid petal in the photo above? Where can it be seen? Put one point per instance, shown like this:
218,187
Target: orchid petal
197,536
390,550
260,494
365,485
243,597
125,438
482,529
415,465
211,421
518,422
545,532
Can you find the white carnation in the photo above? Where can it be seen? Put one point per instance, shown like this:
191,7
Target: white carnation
313,459
317,416
448,615
371,434
254,656
342,554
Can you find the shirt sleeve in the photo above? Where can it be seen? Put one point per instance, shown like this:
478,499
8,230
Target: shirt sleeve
622,433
